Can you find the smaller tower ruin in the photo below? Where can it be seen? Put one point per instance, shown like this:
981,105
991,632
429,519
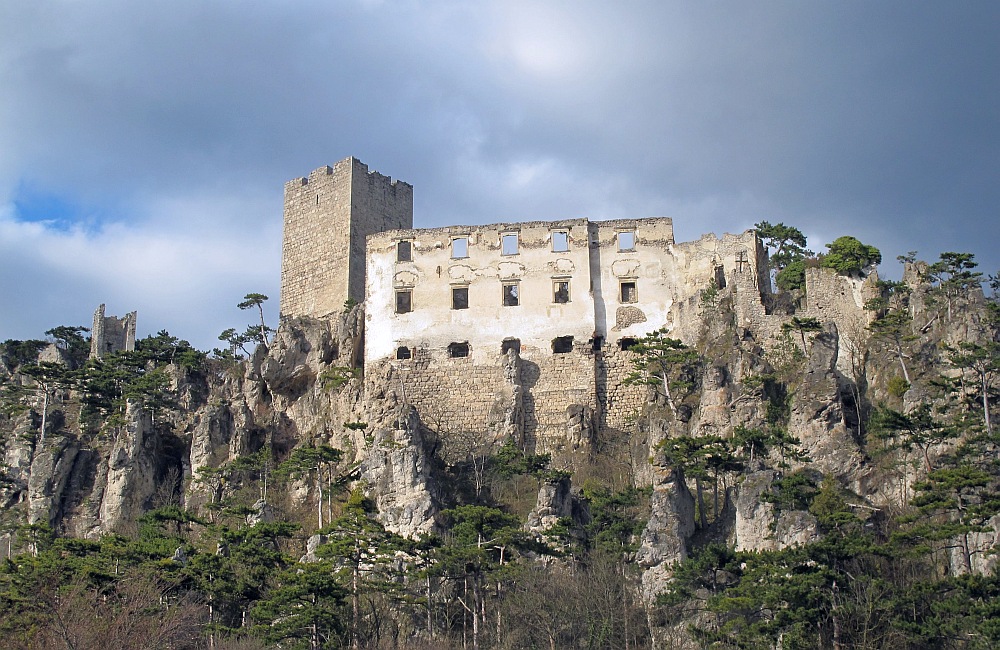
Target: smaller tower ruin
111,334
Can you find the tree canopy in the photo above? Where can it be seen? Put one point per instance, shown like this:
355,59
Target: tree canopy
848,256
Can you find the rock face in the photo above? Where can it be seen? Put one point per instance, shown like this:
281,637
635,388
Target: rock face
308,389
555,502
759,527
131,474
670,527
51,465
17,459
398,472
817,416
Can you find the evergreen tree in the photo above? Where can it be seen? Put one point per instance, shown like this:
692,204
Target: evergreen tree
848,256
318,461
662,362
953,277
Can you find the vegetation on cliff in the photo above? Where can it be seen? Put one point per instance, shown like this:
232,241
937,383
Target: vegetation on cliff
823,487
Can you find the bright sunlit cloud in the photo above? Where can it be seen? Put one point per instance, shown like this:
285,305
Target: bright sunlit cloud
145,145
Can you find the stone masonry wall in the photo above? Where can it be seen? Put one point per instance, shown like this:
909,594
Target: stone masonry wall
829,297
556,385
378,204
315,247
450,395
555,396
621,403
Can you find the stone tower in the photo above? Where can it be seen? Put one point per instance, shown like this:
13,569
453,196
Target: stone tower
111,334
328,215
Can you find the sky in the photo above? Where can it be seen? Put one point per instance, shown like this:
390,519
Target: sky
144,145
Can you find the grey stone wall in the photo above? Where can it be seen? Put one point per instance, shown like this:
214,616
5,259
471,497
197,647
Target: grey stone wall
554,395
620,403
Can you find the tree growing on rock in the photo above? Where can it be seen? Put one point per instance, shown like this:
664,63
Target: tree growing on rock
786,253
893,330
317,461
848,256
784,243
664,363
982,360
918,428
953,277
48,376
71,339
257,332
802,325
14,353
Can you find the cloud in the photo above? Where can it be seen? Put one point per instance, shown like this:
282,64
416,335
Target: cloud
179,277
167,130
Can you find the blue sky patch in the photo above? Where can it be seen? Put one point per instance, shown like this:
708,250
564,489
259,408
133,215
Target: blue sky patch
59,211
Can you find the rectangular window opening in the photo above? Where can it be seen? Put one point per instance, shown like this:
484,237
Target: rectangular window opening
626,343
458,350
404,251
459,247
628,292
510,344
560,291
560,241
508,244
720,277
511,294
562,345
403,352
404,303
460,297
626,240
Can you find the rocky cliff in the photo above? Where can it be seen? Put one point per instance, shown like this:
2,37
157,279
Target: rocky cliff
306,389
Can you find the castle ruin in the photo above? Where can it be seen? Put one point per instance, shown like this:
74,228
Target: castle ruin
515,329
111,334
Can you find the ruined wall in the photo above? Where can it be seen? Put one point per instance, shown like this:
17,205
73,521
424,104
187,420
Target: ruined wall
327,217
560,398
548,403
620,403
738,261
829,297
481,269
378,204
111,334
643,260
841,299
451,395
565,391
626,278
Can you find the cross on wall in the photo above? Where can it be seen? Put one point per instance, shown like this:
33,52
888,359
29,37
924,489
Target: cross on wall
742,262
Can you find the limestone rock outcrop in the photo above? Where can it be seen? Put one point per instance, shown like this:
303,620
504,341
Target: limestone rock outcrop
555,502
398,473
665,538
817,413
131,475
51,465
759,526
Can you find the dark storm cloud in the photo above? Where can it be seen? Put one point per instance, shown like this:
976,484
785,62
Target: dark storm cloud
166,130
